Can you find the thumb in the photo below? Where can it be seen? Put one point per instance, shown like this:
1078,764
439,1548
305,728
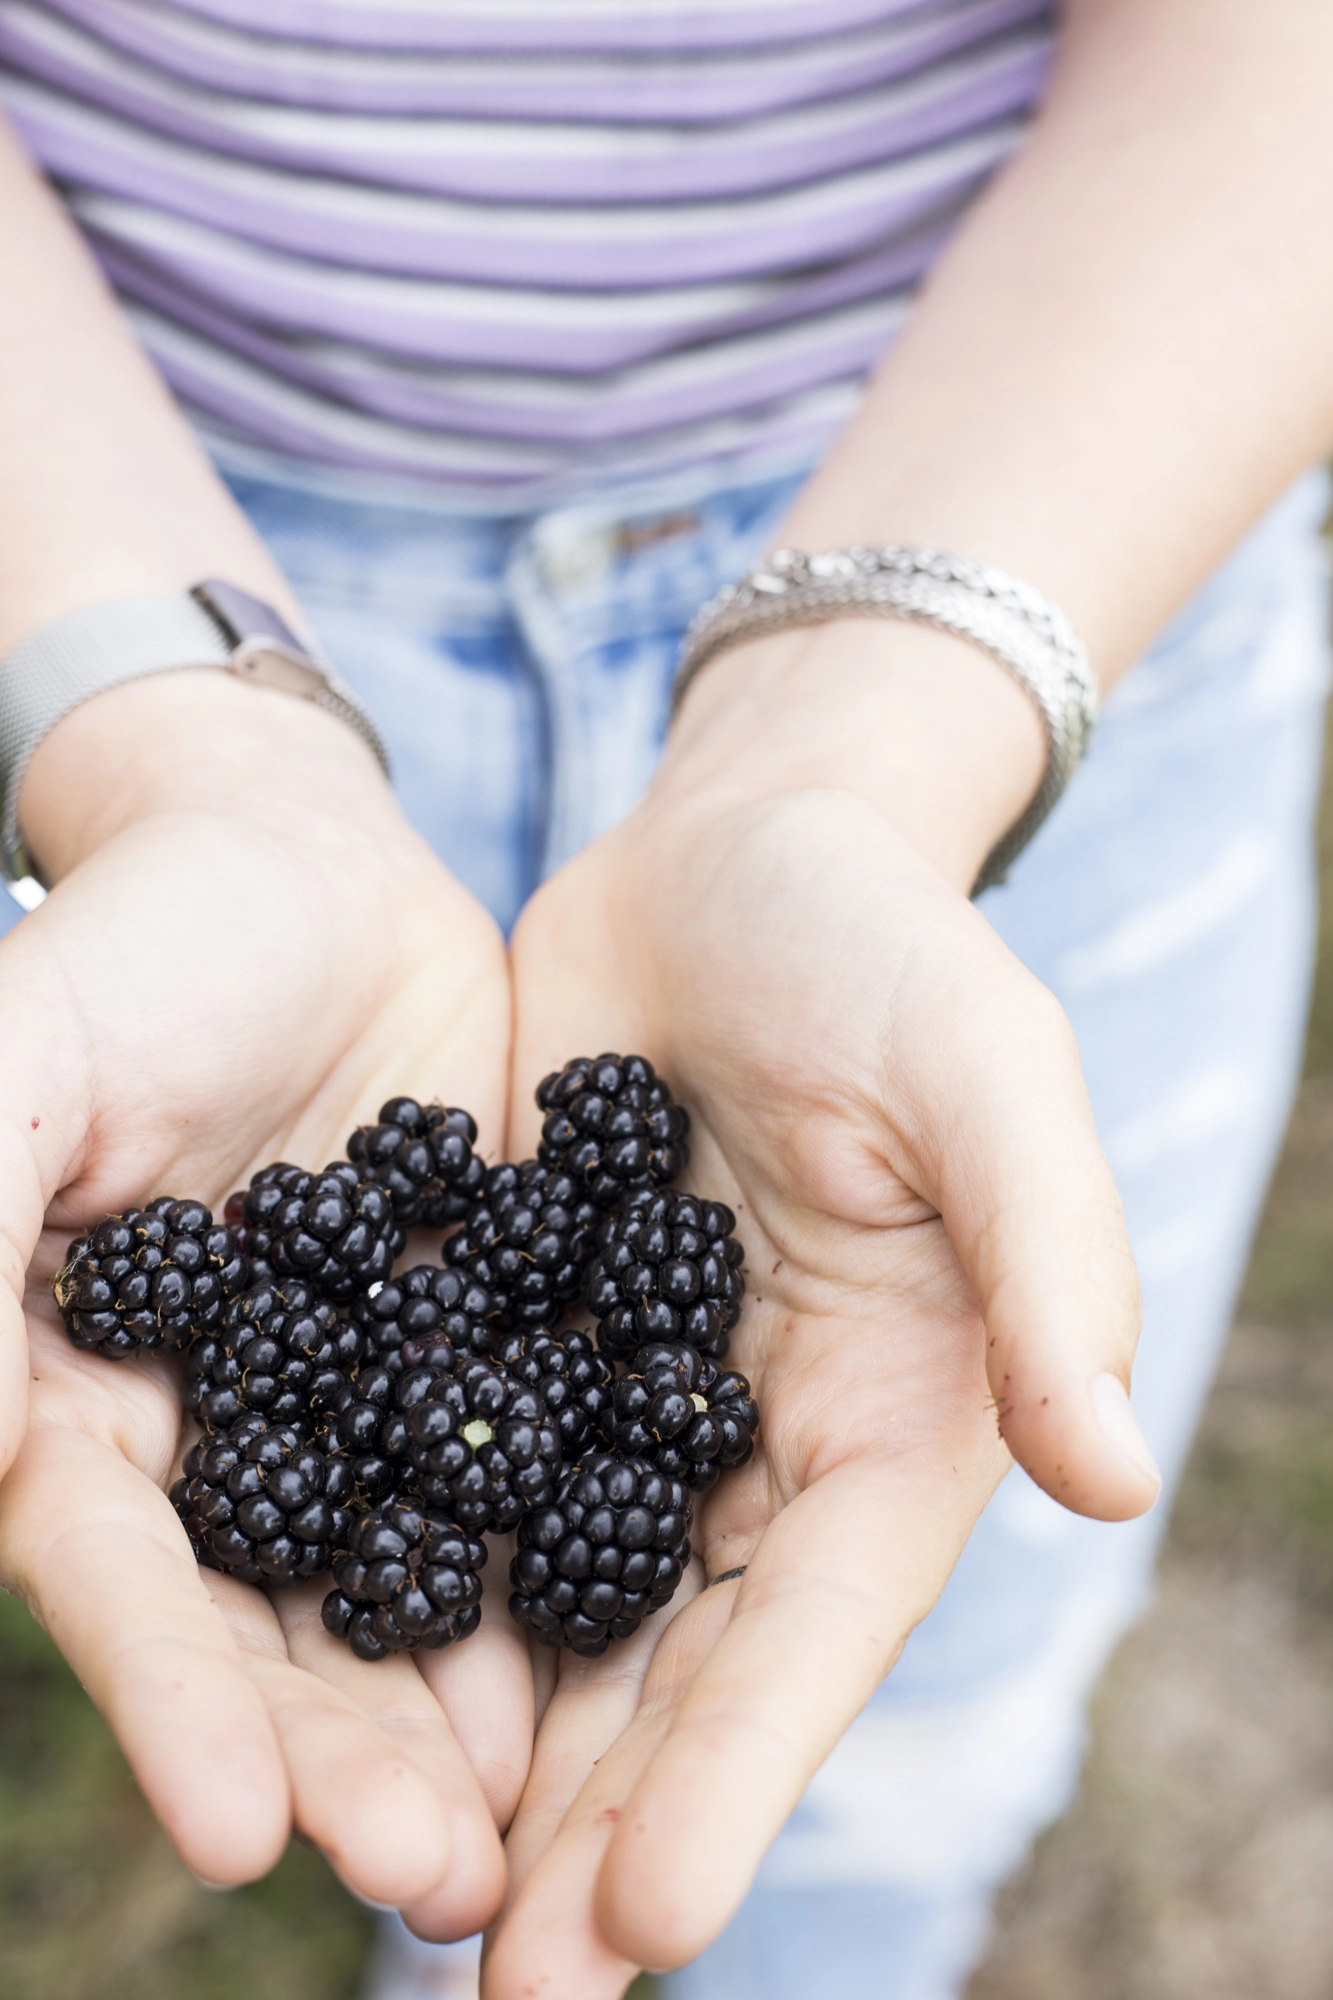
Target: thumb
44,1119
1018,1175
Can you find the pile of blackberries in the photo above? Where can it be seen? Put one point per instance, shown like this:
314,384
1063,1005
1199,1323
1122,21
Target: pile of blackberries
378,1425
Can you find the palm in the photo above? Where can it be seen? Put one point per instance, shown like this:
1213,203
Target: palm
198,998
840,1024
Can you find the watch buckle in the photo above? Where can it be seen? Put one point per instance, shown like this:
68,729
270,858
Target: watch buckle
272,666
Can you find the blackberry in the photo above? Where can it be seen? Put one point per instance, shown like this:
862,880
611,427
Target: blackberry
367,1423
612,1123
150,1277
527,1239
334,1228
481,1445
422,1155
263,1504
281,1350
424,1306
610,1548
676,1411
574,1380
667,1268
410,1578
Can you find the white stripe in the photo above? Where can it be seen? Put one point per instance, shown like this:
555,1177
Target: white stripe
194,365
354,373
422,142
685,311
307,69
431,218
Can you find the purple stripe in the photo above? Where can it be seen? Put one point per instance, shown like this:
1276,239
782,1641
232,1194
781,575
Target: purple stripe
484,405
490,340
413,237
659,88
696,170
629,27
302,430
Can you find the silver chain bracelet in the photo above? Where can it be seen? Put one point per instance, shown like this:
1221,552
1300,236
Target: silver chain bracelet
1009,620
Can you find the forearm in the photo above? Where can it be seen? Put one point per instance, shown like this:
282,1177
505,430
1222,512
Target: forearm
1123,356
103,490
104,493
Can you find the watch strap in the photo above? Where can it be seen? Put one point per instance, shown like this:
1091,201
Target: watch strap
82,654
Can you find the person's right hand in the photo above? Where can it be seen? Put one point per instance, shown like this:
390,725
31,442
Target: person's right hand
245,951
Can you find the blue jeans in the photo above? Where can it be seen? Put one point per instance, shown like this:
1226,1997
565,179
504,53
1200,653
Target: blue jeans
519,669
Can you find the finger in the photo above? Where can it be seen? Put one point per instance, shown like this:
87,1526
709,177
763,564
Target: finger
96,1551
826,1604
550,1927
486,1691
44,1109
378,1780
594,1701
1006,1146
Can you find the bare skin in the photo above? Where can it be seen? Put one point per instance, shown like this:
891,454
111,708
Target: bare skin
1121,358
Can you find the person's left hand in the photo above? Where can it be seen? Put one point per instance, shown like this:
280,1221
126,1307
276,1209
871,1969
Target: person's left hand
894,1108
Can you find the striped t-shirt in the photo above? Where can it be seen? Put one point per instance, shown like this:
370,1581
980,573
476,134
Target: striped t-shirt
519,243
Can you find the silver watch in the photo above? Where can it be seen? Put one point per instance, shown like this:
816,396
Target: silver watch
213,625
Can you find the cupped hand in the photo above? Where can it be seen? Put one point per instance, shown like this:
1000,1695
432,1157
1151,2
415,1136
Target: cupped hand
246,950
938,1277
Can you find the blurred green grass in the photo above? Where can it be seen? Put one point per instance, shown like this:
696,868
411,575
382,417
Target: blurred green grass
94,1904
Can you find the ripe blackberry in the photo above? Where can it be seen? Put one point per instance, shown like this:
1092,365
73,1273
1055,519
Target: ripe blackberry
527,1239
150,1277
613,1124
574,1380
667,1268
676,1411
481,1445
610,1548
334,1228
367,1423
422,1154
281,1350
424,1306
410,1578
263,1504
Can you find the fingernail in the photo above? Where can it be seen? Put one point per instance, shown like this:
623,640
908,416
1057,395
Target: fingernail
1119,1423
215,1888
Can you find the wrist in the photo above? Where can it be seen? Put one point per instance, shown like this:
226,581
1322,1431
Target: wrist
197,740
938,737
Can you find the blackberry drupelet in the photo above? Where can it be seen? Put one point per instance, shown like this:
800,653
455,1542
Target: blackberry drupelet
422,1154
334,1228
676,1411
574,1380
281,1350
668,1269
610,1548
423,1307
263,1503
410,1578
150,1277
612,1123
526,1240
481,1445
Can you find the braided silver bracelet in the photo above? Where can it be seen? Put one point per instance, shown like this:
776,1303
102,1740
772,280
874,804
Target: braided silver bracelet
1009,620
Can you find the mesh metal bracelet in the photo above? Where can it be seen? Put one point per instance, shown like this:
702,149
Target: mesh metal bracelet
215,624
1018,627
